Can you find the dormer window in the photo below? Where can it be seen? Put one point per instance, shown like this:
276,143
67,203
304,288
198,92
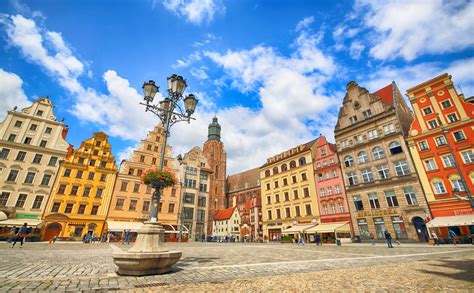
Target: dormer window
39,113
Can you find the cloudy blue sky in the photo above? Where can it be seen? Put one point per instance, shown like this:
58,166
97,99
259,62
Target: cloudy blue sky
274,72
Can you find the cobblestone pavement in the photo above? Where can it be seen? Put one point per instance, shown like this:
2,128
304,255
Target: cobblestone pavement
242,267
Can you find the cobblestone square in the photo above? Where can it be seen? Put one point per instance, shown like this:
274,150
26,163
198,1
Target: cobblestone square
242,267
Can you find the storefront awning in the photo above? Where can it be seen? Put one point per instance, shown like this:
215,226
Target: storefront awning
20,222
297,229
342,227
461,220
117,226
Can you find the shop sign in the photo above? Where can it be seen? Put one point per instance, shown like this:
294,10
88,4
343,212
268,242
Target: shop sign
26,216
375,213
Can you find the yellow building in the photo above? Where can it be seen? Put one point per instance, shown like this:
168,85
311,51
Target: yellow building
288,191
82,191
131,198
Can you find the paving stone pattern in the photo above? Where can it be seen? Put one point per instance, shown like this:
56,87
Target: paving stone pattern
238,267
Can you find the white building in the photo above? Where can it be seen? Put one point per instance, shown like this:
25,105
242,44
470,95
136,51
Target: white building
227,224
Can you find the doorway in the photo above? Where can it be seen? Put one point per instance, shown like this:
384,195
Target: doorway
52,230
420,228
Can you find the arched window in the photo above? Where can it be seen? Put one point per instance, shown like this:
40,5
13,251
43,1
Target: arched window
348,161
302,161
292,164
275,170
395,147
378,153
284,168
362,157
267,173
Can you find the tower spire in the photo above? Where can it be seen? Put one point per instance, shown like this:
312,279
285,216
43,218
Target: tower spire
214,130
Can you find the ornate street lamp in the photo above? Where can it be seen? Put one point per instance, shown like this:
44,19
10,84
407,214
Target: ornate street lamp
147,256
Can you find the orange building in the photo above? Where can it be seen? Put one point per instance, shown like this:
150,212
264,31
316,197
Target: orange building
441,141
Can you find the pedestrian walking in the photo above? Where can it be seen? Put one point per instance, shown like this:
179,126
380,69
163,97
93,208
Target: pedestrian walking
301,240
388,237
452,235
127,236
108,237
12,233
21,235
317,239
372,239
435,238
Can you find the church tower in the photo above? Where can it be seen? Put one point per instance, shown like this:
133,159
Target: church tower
214,151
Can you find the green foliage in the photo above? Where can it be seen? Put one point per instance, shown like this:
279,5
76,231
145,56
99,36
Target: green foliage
158,179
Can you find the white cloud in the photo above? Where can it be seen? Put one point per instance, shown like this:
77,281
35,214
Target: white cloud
11,93
195,11
305,23
199,73
409,29
356,49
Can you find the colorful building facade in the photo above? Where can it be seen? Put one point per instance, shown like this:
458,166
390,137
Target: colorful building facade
226,225
82,191
381,182
243,192
288,191
32,143
441,137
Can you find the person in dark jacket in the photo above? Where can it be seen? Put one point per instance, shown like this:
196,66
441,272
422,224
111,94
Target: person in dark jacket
21,235
388,237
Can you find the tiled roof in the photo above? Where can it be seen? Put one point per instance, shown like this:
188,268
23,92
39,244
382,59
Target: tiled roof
224,214
386,94
244,180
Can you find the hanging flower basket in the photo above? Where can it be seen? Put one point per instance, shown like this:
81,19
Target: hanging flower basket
158,179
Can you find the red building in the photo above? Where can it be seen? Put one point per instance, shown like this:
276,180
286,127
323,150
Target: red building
441,141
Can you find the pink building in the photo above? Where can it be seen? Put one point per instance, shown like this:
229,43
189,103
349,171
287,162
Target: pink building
329,183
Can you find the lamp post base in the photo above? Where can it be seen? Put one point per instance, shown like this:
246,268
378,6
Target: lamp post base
147,256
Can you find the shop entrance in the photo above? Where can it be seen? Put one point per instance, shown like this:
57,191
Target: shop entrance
52,230
420,228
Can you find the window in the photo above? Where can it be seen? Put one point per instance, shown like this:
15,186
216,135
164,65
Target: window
389,128
201,216
30,176
410,196
171,208
358,139
341,207
297,211
306,192
378,153
48,130
67,172
302,161
11,137
395,148
74,189
285,182
268,186
80,161
430,165
87,191
39,113
103,164
295,194
293,179
79,174
459,135
423,145
308,209
52,161
374,200
99,192
21,200
446,104
334,173
97,143
344,144
188,197
94,210
382,170
452,117
18,123
43,143
21,156
267,173
352,178
440,140
133,205
131,171
367,114
348,162
269,215
322,191
287,196
37,203
277,198
90,176
278,213
364,230
188,213
439,187
372,134
119,203
4,153
359,206
4,198
55,207
391,198
288,212
148,190
457,184
362,157
367,175
275,170
323,151
203,176
202,201
68,208
401,167
92,163
146,206
292,164
61,188
303,177
275,184
353,119
96,152
448,161
432,124
320,177
12,176
379,228
427,110
190,183
468,156
136,187
333,208
337,189
81,209
123,186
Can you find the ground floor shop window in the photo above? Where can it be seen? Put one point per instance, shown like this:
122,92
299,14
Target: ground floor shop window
399,227
363,228
379,228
